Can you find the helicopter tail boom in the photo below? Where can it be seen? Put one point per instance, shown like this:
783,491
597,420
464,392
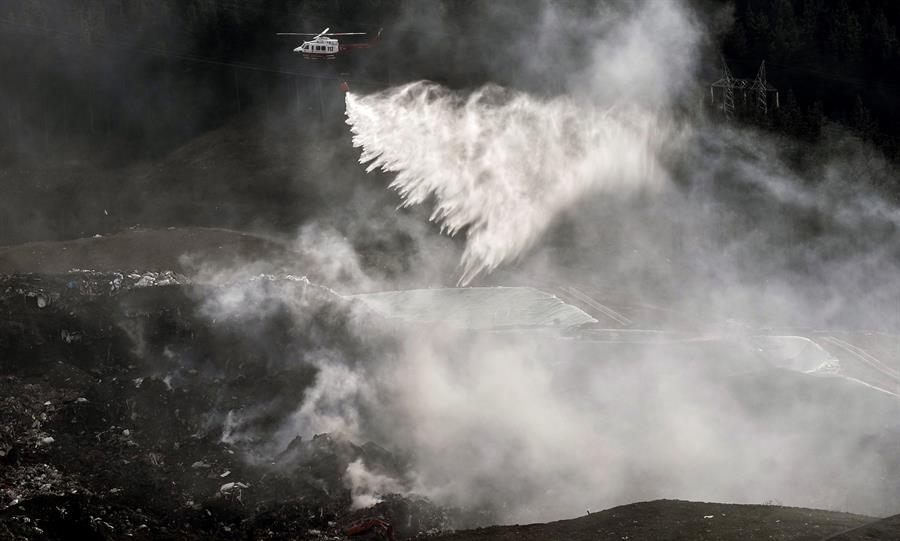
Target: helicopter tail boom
367,45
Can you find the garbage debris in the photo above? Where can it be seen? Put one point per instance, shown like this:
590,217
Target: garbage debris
381,527
130,407
228,487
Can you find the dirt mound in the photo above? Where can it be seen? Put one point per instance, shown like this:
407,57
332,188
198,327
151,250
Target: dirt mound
179,250
674,520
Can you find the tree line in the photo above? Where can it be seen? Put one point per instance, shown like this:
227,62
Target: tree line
833,60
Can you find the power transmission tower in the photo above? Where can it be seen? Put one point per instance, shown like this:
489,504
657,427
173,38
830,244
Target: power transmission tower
727,83
759,87
728,102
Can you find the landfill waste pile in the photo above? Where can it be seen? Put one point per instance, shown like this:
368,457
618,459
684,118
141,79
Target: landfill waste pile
116,396
251,402
142,404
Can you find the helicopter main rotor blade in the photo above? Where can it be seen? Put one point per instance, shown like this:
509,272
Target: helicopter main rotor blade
325,33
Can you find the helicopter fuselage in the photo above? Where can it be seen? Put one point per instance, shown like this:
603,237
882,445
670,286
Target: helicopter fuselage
320,48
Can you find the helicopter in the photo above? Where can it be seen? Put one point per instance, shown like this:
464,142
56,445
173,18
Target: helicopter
324,47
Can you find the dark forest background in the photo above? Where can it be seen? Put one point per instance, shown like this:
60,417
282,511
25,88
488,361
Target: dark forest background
123,113
832,60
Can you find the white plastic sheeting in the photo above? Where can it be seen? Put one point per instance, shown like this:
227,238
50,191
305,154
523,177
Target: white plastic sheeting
797,353
477,307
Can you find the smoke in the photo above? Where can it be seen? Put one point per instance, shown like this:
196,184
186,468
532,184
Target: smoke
535,429
654,200
618,183
330,405
526,426
366,486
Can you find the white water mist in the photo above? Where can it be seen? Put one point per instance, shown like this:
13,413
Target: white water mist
502,165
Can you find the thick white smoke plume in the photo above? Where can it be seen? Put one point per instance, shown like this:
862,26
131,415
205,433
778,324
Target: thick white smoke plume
540,426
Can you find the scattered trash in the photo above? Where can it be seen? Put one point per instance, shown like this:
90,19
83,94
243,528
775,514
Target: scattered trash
70,337
163,389
228,487
145,281
378,526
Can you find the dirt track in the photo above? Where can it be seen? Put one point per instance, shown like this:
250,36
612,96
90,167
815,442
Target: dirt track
179,250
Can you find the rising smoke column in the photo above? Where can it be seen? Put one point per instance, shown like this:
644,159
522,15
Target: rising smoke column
502,165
